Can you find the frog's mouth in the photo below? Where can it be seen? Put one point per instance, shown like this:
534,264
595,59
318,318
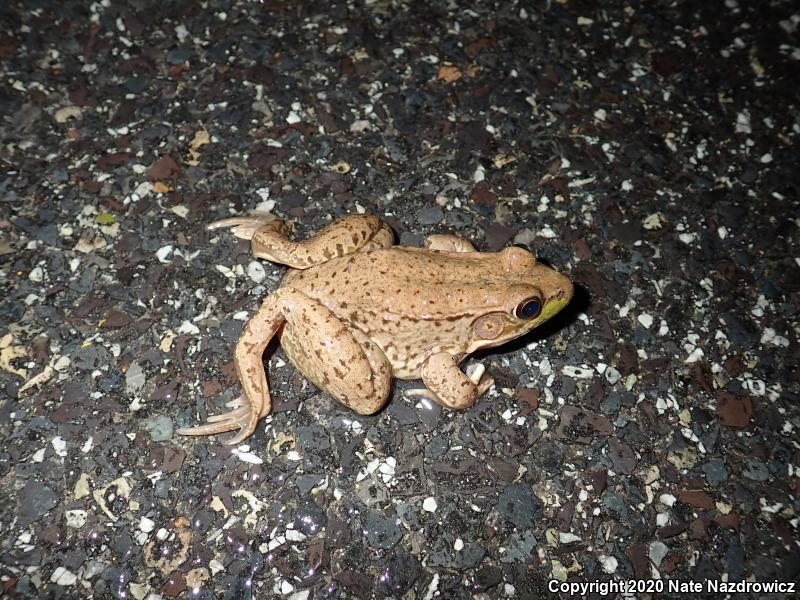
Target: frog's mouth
552,308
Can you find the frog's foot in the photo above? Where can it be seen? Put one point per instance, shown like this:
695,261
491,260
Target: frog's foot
239,418
245,227
448,385
448,243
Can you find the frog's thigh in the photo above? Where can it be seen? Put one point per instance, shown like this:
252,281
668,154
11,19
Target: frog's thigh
342,361
448,385
352,233
448,243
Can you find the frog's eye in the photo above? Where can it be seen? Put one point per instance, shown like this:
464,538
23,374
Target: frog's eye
528,309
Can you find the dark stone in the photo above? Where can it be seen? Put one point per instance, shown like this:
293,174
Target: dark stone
382,531
519,505
399,575
34,500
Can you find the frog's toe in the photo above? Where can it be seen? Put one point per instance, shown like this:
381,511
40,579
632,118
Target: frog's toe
237,415
245,227
423,393
475,371
477,374
236,402
241,419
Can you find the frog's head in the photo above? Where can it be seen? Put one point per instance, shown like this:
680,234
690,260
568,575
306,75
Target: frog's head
531,294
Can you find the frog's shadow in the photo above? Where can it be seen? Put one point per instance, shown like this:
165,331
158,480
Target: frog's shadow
580,303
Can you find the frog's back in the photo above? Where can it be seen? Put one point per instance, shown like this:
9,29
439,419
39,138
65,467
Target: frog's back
397,279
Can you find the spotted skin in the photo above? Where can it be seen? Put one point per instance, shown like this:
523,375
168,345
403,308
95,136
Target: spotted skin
354,312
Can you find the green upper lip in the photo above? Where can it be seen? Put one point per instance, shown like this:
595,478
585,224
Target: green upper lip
552,308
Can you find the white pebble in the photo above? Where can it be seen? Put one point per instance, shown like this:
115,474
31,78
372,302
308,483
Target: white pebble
547,233
164,252
146,525
181,32
62,364
36,275
577,372
76,518
60,446
567,538
62,115
188,327
293,535
62,576
429,504
248,457
609,563
646,320
667,499
458,546
256,271
359,126
743,122
694,356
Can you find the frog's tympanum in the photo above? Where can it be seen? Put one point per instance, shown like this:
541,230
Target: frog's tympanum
355,311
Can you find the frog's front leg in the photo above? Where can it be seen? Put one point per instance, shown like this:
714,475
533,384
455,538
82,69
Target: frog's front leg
268,238
448,385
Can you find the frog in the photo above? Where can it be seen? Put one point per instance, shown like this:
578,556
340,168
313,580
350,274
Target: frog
354,311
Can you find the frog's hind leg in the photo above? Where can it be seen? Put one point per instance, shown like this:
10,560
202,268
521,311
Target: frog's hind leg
255,402
448,243
338,359
345,363
268,238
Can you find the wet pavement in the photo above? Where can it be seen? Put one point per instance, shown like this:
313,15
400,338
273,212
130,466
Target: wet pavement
648,150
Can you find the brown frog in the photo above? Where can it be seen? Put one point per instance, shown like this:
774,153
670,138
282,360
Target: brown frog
355,311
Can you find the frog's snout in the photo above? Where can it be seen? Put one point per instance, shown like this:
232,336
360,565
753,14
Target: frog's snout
566,291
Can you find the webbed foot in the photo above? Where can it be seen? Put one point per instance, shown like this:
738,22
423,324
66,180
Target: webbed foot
240,418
